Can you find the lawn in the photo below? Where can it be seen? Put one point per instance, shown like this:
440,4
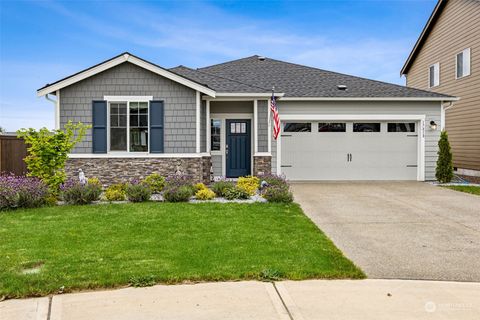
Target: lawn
70,248
467,189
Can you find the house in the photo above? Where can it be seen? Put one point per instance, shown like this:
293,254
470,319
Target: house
446,58
146,118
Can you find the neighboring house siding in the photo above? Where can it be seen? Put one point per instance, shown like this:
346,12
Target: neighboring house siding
262,109
457,28
430,109
130,80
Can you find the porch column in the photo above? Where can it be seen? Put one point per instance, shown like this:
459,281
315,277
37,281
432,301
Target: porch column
269,126
208,126
197,127
255,125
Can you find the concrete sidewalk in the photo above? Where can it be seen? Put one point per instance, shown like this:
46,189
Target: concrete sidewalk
312,299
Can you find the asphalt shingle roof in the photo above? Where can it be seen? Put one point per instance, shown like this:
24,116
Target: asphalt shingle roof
253,74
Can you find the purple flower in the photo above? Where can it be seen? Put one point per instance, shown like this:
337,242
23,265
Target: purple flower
21,191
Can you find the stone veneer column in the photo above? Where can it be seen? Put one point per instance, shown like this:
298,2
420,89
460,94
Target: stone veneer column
262,165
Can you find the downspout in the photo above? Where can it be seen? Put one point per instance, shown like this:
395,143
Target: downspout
442,115
56,106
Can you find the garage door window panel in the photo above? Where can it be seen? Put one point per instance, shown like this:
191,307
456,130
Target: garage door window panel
401,127
366,127
297,127
332,127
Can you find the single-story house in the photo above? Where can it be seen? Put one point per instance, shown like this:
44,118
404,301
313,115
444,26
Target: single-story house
217,121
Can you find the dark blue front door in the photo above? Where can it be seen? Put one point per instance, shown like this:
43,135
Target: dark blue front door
238,148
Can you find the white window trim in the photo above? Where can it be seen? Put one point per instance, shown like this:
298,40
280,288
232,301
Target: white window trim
127,100
419,118
436,74
466,63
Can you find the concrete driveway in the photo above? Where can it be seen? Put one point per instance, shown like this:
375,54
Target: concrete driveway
399,230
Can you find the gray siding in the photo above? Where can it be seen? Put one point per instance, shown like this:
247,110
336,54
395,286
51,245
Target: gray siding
431,110
130,80
262,108
217,165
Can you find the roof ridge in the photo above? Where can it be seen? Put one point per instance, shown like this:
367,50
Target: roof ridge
357,77
230,79
221,63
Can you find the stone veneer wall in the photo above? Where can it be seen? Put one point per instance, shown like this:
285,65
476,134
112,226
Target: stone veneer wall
116,170
262,165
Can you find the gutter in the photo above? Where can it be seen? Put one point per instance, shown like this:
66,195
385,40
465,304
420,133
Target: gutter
57,108
442,114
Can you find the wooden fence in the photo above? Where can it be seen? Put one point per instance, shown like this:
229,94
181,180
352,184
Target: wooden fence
12,152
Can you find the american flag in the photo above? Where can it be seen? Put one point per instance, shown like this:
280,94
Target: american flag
276,119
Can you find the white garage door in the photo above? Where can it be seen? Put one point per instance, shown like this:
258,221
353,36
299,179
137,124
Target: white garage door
349,150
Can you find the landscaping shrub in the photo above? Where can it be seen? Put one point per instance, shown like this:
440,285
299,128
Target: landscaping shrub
235,193
221,187
74,192
278,193
155,182
137,191
249,184
115,192
444,171
205,194
199,186
22,192
181,193
48,151
273,180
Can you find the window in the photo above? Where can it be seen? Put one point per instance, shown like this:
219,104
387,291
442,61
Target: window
401,127
434,75
297,127
118,126
366,127
215,134
129,135
332,127
463,63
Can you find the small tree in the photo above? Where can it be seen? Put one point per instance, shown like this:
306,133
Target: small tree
444,171
48,151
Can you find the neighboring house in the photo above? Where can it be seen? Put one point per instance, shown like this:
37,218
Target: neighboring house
334,127
446,58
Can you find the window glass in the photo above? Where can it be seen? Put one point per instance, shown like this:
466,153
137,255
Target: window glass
297,127
332,127
463,63
118,127
215,127
460,65
366,127
432,76
401,127
138,126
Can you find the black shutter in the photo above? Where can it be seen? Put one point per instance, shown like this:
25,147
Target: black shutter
99,130
156,126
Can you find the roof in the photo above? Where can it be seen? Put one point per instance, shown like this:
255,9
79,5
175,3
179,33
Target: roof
423,36
122,58
255,76
296,80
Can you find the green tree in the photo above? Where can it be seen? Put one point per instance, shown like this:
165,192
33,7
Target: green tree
48,151
444,172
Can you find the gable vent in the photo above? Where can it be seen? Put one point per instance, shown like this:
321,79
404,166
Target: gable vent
261,58
342,87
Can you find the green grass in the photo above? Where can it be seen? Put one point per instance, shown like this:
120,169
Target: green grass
467,189
104,246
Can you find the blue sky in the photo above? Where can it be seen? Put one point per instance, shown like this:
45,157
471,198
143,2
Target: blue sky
43,41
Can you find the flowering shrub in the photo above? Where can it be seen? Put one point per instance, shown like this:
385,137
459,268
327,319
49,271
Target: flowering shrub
221,187
155,182
273,180
278,193
205,194
181,193
137,191
178,180
200,186
74,192
249,184
115,192
22,192
235,193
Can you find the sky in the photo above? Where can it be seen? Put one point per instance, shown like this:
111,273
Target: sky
44,41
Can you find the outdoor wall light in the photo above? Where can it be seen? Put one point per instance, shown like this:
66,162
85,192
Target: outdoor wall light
433,125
